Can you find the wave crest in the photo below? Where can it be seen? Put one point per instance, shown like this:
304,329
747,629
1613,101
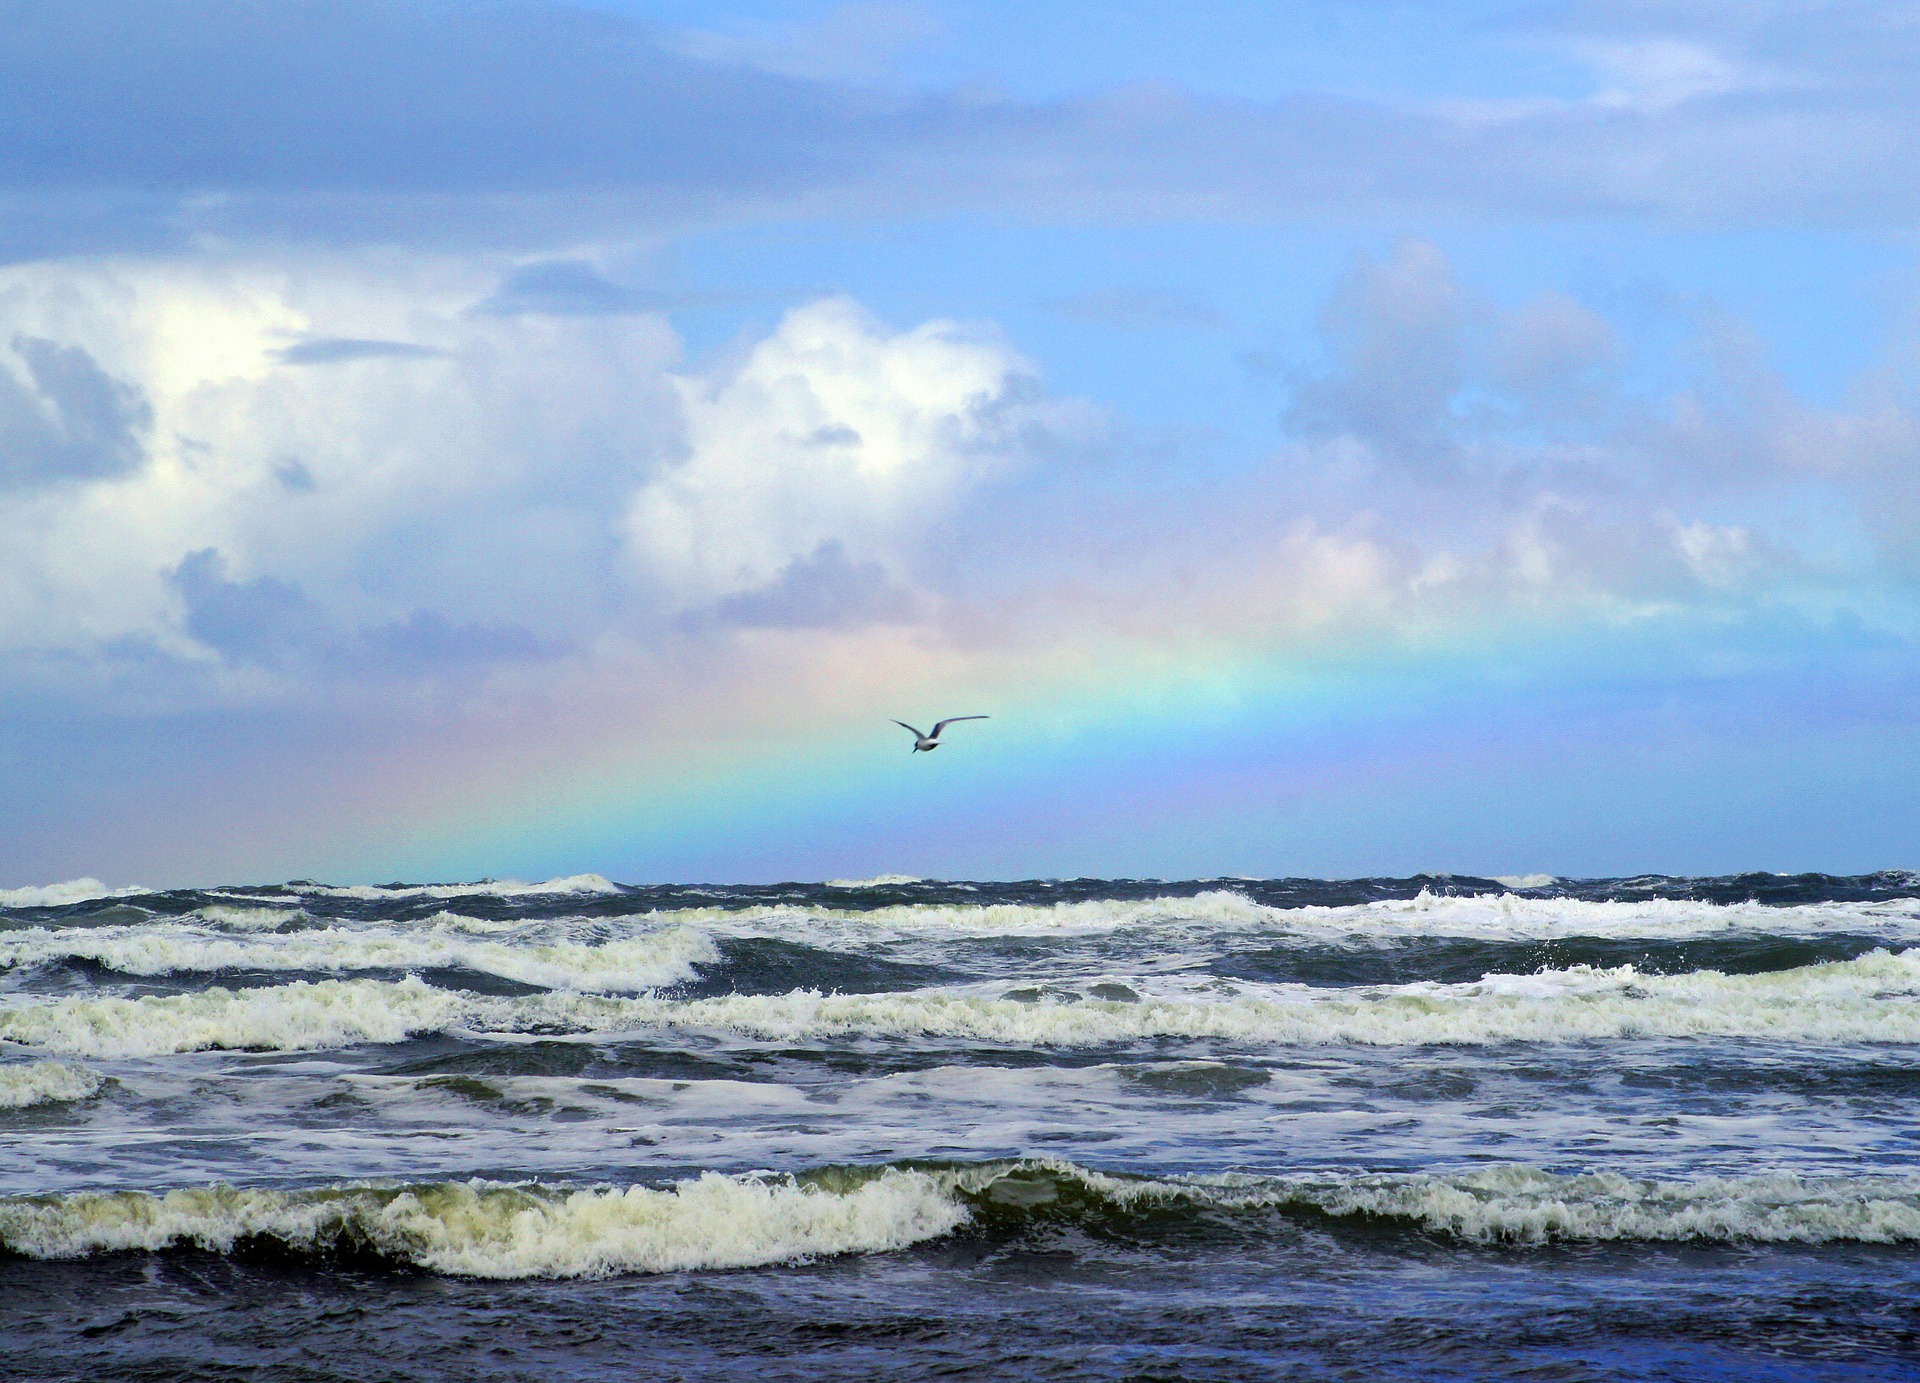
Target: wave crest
492,888
1874,998
45,1082
664,957
60,895
489,1230
476,1229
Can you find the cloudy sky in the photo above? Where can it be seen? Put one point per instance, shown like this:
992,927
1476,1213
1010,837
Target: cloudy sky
457,439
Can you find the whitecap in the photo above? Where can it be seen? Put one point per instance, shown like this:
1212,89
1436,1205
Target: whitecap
497,888
1872,998
61,895
664,956
1528,1205
300,1016
45,1082
501,1231
1494,917
479,1229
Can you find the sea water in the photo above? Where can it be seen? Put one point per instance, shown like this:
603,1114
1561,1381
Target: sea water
1439,1127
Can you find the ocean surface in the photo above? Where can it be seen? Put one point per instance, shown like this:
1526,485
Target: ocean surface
1427,1128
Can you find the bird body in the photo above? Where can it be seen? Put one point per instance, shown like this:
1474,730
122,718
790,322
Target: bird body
930,742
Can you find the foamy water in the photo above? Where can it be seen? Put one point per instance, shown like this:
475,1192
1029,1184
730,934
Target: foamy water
573,1081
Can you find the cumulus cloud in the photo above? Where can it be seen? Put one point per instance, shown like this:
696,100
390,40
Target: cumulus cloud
555,495
1396,333
509,488
835,431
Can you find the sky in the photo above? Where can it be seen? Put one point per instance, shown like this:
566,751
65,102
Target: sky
456,440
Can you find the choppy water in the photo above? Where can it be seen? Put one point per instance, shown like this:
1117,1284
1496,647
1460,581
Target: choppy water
1429,1128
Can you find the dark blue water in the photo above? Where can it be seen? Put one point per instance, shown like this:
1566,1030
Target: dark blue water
1435,1128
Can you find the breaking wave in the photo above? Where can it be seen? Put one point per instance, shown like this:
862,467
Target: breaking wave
45,1082
1874,998
291,1017
1504,1204
490,1230
1493,917
495,888
60,895
476,1229
663,957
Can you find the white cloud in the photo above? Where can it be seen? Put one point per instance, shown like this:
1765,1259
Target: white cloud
481,494
832,430
351,474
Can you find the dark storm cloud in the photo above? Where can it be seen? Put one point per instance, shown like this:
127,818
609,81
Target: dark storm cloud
69,420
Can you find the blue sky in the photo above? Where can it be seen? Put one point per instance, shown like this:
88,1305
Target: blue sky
509,438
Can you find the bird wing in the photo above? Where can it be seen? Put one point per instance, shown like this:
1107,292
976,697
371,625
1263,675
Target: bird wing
941,725
915,733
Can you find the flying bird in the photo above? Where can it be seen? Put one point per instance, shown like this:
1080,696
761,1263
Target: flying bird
922,740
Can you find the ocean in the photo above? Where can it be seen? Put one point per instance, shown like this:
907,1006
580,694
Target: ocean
1427,1128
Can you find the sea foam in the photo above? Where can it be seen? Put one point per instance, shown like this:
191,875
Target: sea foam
477,1229
662,957
1491,917
61,895
490,1230
1874,998
495,888
1509,1204
300,1016
45,1082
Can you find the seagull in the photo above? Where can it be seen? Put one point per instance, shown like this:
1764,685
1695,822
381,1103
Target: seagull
922,740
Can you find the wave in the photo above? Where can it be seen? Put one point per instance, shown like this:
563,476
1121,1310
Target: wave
495,888
60,895
477,1229
663,957
266,918
1503,1204
1874,998
1495,917
877,881
1869,999
293,1017
491,1230
45,1082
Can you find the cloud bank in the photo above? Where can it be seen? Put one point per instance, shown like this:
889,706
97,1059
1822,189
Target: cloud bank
414,121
